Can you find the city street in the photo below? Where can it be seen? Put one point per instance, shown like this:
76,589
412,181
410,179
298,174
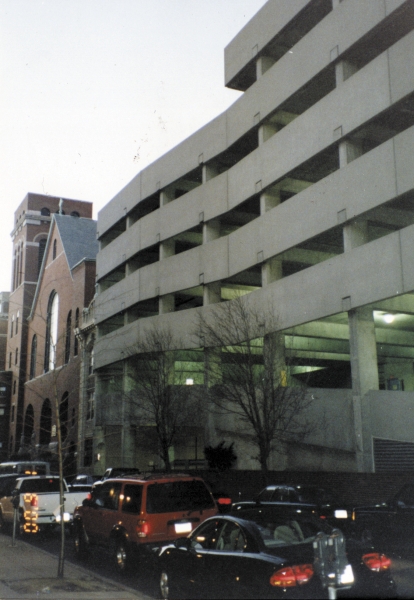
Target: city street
145,579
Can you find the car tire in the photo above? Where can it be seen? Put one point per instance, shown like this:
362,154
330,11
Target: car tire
167,587
80,542
120,555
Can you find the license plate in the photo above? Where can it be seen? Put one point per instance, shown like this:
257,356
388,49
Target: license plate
182,527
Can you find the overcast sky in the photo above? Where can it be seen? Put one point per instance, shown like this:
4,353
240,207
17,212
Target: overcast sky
92,91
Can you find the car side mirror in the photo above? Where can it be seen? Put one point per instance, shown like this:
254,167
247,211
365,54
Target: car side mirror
183,543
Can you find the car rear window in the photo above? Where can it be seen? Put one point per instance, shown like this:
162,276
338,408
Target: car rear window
39,486
178,495
132,499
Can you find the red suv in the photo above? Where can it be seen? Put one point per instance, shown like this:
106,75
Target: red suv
133,514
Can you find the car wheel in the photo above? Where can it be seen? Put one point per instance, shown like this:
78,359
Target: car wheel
80,542
120,555
167,588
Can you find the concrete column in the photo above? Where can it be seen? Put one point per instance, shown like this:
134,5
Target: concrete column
263,64
274,357
268,201
266,131
166,196
363,350
349,151
208,172
344,70
364,369
166,304
167,248
355,234
212,366
271,271
212,293
211,231
129,441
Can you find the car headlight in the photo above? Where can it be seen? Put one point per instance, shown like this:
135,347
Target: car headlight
66,517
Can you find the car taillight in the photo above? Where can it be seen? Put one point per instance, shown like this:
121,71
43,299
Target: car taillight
376,561
142,528
223,500
291,576
34,501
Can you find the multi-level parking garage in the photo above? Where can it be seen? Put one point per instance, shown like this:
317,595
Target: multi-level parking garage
299,196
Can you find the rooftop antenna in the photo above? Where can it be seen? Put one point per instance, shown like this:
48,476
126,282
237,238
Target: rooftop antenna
60,206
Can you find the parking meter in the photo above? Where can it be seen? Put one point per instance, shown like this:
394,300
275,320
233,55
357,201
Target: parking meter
331,563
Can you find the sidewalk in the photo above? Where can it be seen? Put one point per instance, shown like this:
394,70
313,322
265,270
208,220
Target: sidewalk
27,572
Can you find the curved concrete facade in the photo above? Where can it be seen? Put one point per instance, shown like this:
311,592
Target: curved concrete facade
300,196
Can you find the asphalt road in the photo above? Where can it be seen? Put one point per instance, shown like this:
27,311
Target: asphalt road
145,579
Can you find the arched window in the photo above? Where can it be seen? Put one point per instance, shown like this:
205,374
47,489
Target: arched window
16,357
14,271
54,249
42,247
51,332
16,279
17,322
76,344
21,263
64,415
68,337
45,423
28,424
45,212
33,358
12,326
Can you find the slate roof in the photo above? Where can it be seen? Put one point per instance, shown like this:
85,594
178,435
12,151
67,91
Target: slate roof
78,237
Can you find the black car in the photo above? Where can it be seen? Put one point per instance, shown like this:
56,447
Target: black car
391,522
271,552
327,504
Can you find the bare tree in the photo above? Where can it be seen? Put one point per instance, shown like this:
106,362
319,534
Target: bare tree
247,376
52,385
159,401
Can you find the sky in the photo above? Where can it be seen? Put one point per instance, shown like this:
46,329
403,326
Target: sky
92,91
